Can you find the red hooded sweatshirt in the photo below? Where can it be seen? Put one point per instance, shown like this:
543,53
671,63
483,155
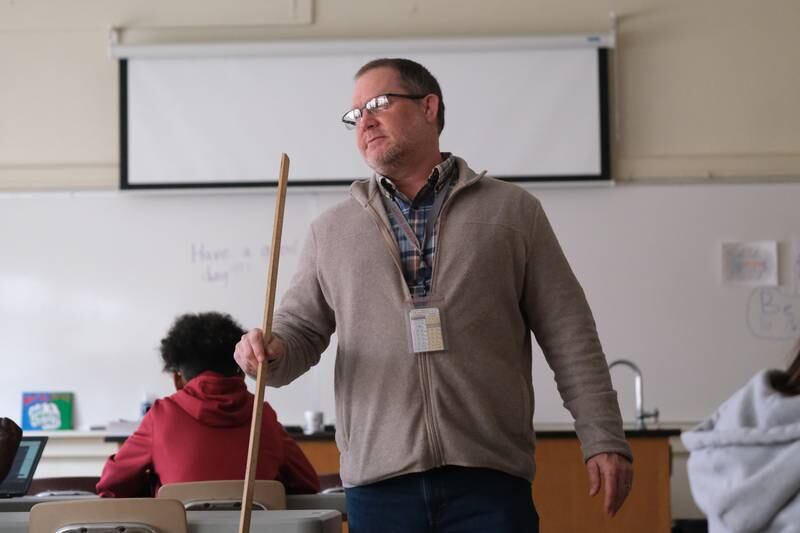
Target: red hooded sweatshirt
202,433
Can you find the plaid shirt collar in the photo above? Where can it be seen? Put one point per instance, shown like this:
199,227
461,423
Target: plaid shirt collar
424,196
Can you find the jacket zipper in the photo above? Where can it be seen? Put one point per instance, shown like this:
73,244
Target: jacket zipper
427,402
425,371
425,366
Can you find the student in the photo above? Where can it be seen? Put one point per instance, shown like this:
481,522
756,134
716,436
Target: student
201,432
10,435
744,465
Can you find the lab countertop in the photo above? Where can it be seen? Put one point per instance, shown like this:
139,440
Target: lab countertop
328,434
629,433
543,431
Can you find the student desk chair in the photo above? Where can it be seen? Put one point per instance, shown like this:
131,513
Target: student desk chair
225,495
145,515
267,495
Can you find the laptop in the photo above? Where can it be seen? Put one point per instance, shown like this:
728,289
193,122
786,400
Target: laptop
19,478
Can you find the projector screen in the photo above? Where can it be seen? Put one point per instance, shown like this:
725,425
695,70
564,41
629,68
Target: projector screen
221,117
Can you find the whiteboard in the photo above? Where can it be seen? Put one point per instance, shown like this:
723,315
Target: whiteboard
199,120
90,282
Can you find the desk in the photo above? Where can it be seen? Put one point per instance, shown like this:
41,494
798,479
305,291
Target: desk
23,504
227,522
294,502
335,502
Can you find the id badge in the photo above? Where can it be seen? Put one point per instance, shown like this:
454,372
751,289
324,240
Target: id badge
425,328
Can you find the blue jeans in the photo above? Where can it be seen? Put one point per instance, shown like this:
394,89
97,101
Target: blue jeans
451,499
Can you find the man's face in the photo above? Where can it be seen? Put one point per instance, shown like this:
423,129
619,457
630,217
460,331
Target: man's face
386,139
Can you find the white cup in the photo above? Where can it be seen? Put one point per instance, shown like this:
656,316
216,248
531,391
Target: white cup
313,422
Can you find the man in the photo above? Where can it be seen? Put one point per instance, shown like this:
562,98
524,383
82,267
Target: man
433,277
201,432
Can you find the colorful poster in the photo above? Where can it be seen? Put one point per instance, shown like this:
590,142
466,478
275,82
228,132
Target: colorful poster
47,410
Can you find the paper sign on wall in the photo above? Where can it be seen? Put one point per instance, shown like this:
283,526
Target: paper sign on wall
752,264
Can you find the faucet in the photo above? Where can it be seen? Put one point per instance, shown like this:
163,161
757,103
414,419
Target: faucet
641,414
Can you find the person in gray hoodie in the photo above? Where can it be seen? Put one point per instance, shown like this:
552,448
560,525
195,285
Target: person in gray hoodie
433,277
744,462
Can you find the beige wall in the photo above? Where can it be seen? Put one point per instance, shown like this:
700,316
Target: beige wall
703,88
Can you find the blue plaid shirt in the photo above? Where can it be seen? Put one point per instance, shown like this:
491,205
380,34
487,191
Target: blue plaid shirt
417,269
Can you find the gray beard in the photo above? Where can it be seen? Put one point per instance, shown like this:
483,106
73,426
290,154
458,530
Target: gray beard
389,160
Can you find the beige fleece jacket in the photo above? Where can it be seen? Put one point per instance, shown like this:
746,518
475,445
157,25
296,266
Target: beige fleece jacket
499,273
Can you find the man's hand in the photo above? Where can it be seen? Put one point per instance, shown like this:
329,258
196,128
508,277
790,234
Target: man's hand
615,474
250,350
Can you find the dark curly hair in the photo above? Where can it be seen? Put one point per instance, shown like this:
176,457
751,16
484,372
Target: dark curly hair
788,382
199,342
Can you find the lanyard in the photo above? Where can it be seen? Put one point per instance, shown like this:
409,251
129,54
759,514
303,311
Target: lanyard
430,223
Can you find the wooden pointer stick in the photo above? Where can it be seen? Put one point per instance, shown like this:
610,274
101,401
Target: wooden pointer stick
261,374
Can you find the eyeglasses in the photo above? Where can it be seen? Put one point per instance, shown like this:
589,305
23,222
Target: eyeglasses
374,105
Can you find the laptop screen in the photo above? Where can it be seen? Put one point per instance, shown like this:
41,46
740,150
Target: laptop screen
26,459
